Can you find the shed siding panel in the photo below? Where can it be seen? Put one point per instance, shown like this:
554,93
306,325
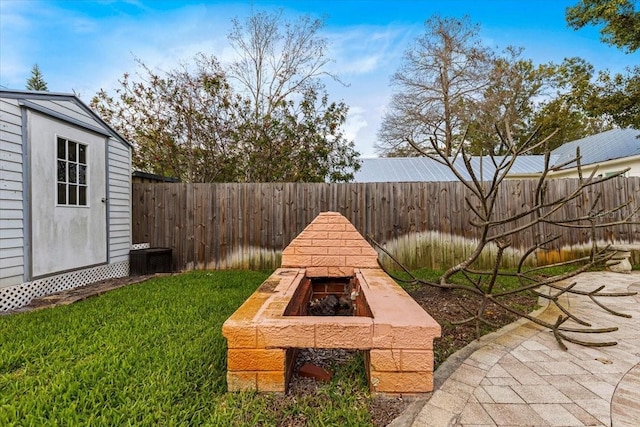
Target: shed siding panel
10,112
8,261
17,242
10,233
8,224
11,194
10,213
12,276
8,253
11,142
9,124
12,205
11,185
6,195
13,176
120,184
10,157
12,138
119,201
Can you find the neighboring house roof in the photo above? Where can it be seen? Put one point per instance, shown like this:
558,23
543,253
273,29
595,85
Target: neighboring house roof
419,169
33,99
609,145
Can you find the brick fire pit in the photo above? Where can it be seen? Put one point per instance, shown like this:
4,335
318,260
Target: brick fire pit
330,257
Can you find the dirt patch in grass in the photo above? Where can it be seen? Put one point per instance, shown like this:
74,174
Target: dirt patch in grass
448,307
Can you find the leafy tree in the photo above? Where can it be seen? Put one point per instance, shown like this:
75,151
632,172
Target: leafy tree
620,20
182,123
564,114
300,141
617,97
36,81
586,103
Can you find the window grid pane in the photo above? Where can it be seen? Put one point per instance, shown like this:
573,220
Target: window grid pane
62,148
72,152
73,173
62,171
73,194
62,194
82,174
82,154
82,196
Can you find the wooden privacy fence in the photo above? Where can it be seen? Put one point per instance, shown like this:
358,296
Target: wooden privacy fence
247,225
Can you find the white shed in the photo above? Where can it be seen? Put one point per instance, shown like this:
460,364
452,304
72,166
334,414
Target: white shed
65,196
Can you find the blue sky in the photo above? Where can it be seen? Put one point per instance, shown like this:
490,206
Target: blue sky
86,45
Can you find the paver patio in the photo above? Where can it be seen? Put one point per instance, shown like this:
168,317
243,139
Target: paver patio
518,376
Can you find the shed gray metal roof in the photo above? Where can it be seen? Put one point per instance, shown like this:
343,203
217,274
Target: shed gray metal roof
420,169
609,145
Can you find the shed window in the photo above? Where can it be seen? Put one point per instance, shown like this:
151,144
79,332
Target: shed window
71,172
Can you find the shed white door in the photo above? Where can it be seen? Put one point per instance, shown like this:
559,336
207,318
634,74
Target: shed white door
68,185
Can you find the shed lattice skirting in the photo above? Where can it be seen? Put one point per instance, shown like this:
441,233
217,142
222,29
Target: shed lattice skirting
18,296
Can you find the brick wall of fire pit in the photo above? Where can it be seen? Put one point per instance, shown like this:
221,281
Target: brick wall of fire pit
393,331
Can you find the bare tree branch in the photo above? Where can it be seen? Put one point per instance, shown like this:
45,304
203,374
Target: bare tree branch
498,231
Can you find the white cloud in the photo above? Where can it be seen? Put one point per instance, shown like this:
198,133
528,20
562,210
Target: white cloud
355,122
365,49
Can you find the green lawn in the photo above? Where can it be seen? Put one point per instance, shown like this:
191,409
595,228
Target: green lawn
150,354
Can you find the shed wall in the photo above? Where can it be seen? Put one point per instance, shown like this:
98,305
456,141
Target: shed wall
119,188
12,234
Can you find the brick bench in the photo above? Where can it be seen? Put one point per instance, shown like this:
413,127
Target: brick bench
395,334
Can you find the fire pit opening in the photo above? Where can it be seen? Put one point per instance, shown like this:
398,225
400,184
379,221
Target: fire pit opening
328,296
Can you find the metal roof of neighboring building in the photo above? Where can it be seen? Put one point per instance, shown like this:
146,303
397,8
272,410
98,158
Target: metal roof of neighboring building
609,145
419,169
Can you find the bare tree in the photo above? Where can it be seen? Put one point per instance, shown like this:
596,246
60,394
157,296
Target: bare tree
498,229
437,82
193,123
277,58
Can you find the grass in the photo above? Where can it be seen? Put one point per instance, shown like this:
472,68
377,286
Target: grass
150,354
